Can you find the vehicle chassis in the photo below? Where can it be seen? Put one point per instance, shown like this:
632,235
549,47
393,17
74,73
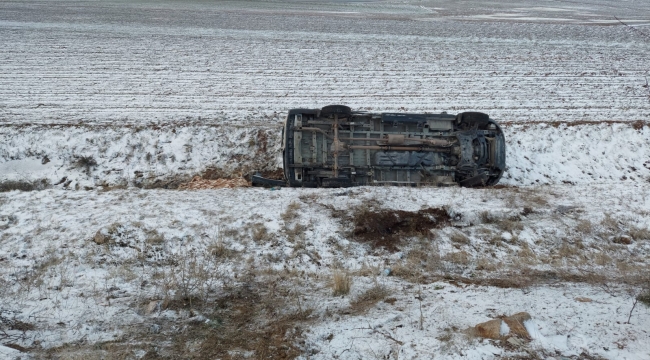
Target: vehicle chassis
336,147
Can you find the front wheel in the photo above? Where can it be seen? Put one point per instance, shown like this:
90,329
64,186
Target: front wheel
331,110
473,119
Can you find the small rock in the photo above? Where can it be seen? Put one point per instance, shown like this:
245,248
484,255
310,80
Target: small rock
563,209
386,272
101,238
527,211
622,239
154,329
152,306
583,299
197,319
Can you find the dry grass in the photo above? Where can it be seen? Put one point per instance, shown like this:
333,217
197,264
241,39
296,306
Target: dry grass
485,264
309,198
487,217
567,250
585,227
644,297
522,197
260,233
367,270
36,277
609,223
219,250
495,240
369,298
295,233
421,263
513,240
190,277
260,318
526,256
291,213
459,238
154,237
458,257
638,233
602,259
341,283
198,183
510,225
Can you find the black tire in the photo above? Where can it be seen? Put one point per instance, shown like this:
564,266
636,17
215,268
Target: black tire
331,110
472,119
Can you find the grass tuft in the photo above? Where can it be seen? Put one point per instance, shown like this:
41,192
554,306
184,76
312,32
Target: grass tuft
644,298
640,233
341,283
369,298
459,238
585,227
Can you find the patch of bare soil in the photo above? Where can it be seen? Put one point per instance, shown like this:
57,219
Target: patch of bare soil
277,174
199,183
386,228
262,141
244,322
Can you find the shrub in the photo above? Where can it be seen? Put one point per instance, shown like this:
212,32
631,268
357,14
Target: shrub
85,162
23,185
644,297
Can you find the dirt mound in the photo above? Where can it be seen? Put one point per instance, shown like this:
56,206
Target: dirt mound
385,228
198,183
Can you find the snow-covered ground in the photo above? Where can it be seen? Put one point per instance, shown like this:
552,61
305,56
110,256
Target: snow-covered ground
101,100
74,289
537,153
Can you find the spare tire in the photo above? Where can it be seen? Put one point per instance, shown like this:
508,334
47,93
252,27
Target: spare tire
472,119
340,110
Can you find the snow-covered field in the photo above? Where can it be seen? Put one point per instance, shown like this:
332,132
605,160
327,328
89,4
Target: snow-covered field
102,101
118,63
